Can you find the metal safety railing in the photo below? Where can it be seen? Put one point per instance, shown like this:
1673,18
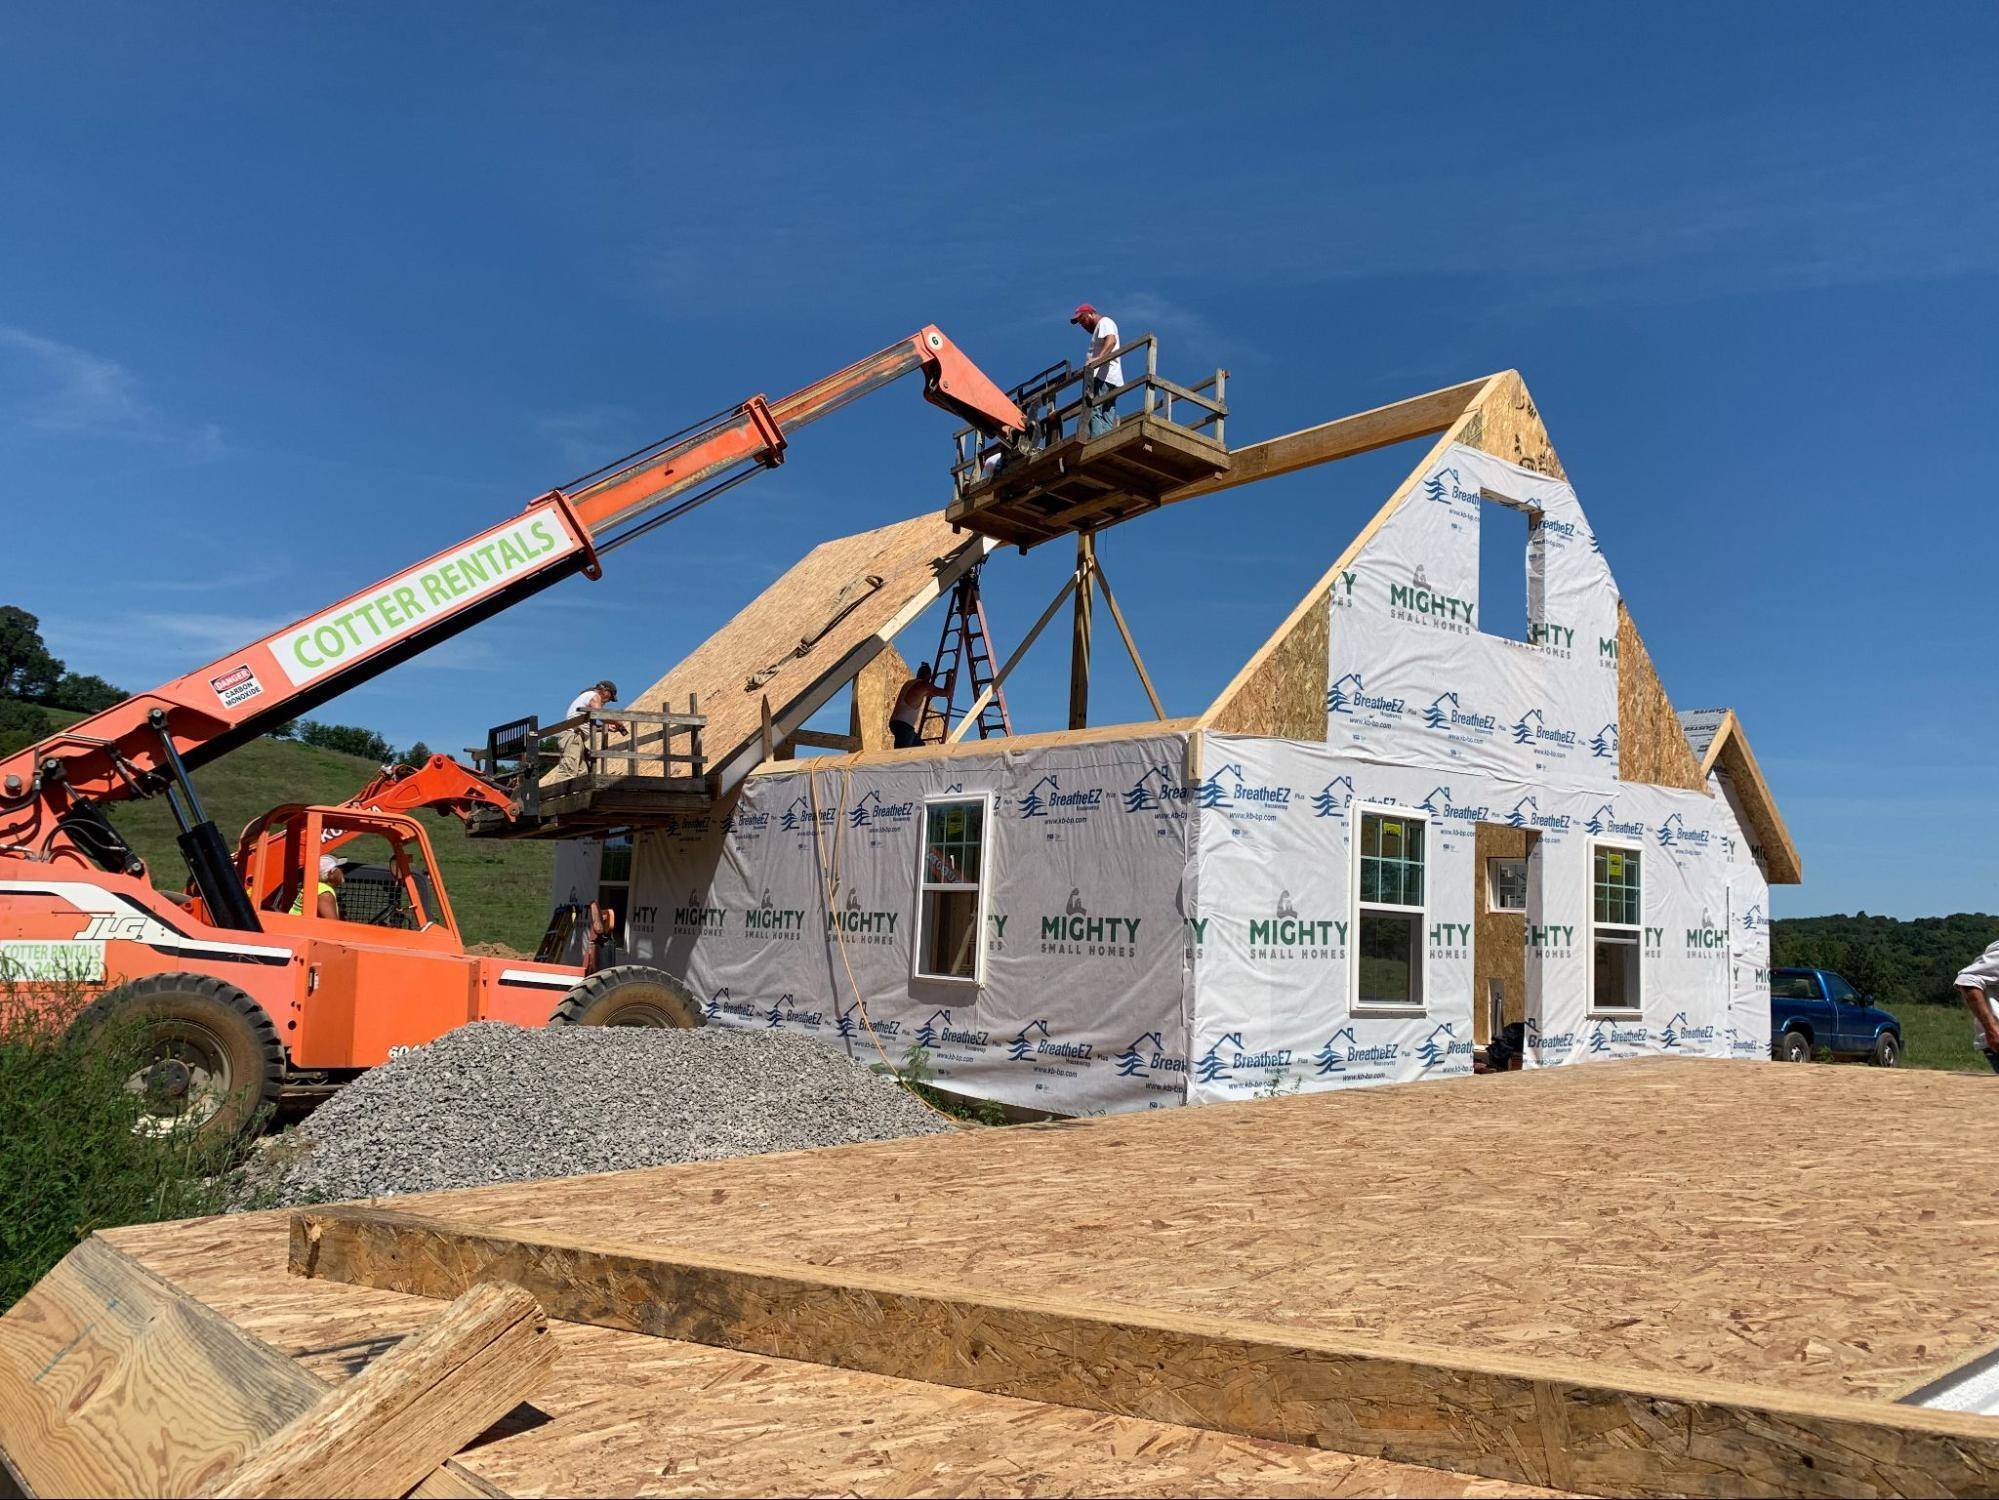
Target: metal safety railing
592,749
1064,401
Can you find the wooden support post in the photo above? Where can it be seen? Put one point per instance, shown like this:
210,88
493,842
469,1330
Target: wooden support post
1006,667
1565,1424
1130,645
1079,638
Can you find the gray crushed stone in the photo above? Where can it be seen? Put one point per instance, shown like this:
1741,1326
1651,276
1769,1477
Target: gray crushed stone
493,1103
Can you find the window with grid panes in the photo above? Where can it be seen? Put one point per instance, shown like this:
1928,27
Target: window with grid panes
950,890
1616,918
1390,902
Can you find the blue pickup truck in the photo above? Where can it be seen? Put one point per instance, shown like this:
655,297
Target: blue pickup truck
1814,1010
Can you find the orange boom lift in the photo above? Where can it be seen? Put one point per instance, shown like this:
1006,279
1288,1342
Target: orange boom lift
245,993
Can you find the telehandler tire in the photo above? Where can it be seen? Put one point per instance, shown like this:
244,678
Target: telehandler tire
208,1061
629,995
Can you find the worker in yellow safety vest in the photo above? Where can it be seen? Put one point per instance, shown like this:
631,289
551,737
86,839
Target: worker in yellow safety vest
331,878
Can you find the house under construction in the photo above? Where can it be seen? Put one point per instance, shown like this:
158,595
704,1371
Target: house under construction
1399,828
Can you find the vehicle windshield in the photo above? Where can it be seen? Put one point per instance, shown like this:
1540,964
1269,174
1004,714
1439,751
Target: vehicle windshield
1840,990
1793,984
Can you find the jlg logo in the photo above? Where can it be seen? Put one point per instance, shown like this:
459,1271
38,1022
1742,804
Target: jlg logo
105,928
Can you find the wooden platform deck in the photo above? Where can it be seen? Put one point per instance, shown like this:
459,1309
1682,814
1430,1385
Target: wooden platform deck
1666,1276
1086,483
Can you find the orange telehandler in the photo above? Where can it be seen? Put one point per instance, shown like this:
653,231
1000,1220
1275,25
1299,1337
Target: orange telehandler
244,992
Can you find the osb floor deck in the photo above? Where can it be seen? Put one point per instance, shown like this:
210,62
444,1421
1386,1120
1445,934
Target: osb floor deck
625,1414
1823,1229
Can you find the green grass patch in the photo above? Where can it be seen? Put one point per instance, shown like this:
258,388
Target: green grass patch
70,1162
1939,1036
499,890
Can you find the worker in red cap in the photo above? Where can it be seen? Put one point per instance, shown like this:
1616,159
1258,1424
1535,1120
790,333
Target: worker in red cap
1102,374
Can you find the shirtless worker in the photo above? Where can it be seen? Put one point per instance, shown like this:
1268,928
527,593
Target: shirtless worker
907,716
1977,985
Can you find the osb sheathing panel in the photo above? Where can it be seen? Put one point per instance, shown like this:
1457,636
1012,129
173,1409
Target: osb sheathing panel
1651,745
1285,696
876,687
1590,1214
1759,807
1505,423
1499,949
626,1414
910,557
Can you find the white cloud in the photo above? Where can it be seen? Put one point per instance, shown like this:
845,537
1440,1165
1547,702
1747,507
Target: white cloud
57,389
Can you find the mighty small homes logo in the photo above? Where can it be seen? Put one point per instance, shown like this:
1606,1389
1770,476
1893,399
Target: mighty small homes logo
1078,932
1526,813
1340,595
1047,800
1707,940
1448,715
769,920
1603,744
1674,833
854,922
1604,823
1606,652
1532,728
1555,639
696,917
1415,602
1549,939
1146,1056
1334,798
1288,936
872,812
1038,1044
1349,696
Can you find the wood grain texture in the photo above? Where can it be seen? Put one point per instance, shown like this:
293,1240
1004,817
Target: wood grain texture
1725,752
113,1383
1505,423
874,693
627,1414
1651,745
1583,1213
390,1426
1284,697
913,558
1536,1422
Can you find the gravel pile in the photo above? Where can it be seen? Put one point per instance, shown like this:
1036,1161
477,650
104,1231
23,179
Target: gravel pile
496,1103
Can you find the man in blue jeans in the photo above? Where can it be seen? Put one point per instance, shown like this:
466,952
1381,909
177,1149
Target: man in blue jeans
1101,373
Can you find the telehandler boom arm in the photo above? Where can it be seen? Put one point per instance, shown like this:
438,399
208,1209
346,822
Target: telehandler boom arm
147,743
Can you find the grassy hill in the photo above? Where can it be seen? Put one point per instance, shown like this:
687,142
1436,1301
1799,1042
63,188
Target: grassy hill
499,890
1897,962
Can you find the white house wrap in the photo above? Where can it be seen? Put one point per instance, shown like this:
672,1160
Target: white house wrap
1287,914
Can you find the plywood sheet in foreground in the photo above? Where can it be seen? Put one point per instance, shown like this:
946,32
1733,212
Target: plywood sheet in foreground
624,1414
1673,1215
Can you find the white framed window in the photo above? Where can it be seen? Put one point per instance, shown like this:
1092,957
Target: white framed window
1616,917
1391,907
951,884
1506,885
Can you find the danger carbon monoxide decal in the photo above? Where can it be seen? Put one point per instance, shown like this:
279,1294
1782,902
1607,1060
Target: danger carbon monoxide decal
428,592
237,685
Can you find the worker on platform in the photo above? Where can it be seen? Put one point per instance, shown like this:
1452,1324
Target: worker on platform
576,738
1978,987
1101,373
326,904
906,720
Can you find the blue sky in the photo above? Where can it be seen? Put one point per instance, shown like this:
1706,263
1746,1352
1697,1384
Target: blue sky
291,296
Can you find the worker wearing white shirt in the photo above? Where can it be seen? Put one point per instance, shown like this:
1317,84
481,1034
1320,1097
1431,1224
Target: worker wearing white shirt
576,739
1978,985
1102,373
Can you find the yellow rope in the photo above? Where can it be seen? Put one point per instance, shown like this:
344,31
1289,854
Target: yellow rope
828,883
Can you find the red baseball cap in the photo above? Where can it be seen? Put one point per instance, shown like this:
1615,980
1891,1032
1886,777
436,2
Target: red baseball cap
1082,309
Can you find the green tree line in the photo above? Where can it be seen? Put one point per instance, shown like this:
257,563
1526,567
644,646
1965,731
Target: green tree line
1896,962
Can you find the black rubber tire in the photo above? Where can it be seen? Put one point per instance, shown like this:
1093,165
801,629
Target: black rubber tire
207,1041
1793,1046
1887,1051
629,995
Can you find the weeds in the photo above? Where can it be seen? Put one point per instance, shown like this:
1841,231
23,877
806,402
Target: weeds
916,1076
71,1162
